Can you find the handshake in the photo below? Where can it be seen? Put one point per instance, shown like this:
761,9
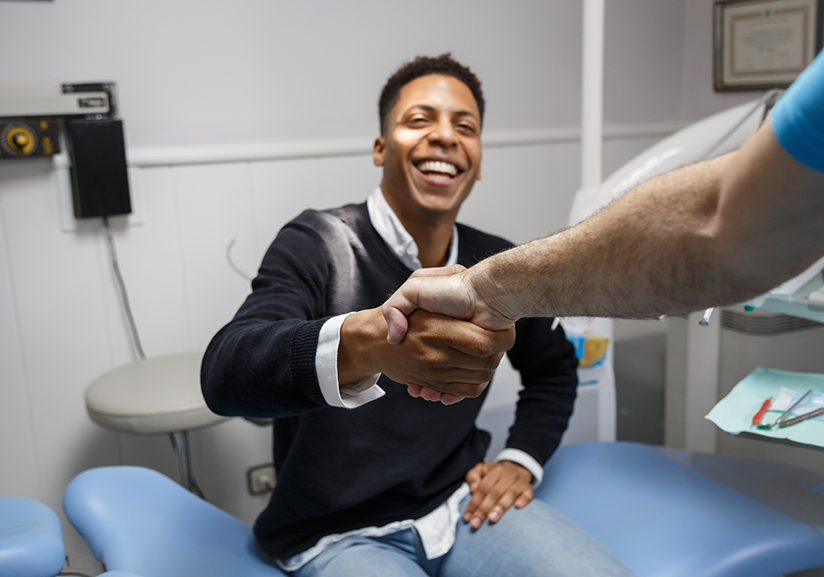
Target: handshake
481,329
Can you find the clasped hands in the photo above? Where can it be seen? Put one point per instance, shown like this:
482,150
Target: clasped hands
449,292
443,352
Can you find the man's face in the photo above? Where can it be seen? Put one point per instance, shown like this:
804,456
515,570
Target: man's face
431,152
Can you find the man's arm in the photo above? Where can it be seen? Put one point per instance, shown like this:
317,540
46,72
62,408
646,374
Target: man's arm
715,233
263,363
710,234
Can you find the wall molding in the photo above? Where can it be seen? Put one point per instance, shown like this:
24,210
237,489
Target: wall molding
324,148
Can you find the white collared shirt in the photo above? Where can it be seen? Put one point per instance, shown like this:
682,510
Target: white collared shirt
437,529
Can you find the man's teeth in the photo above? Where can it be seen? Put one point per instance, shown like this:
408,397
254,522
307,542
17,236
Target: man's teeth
438,166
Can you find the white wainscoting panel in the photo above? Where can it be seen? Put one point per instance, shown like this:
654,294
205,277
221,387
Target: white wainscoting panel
20,470
214,208
225,453
65,337
151,262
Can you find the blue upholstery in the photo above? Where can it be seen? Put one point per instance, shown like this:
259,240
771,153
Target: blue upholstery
140,522
31,543
661,512
662,518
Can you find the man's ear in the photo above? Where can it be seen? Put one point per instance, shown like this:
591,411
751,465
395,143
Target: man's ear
480,170
379,151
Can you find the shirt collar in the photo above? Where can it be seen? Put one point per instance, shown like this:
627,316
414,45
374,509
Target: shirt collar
389,227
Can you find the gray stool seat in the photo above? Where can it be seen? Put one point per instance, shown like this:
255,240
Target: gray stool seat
158,395
154,396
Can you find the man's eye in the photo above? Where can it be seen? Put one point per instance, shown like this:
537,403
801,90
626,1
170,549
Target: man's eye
466,127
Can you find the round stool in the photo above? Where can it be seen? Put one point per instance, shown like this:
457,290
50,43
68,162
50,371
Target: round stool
156,395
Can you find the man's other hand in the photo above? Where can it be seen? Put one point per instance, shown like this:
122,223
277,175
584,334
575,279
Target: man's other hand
444,355
495,487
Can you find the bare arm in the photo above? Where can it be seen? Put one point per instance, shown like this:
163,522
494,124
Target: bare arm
714,233
709,234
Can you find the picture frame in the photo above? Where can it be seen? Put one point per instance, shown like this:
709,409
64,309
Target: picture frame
763,44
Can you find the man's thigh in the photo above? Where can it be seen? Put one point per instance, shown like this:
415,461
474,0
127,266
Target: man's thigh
362,557
534,541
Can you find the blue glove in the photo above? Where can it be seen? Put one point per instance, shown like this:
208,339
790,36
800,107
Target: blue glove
798,117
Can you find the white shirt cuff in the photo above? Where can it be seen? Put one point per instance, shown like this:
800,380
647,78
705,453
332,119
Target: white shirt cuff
326,364
524,460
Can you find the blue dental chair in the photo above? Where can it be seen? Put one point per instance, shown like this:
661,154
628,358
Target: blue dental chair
673,513
31,544
137,523
662,512
137,520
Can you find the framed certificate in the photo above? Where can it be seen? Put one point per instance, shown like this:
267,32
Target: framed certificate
762,44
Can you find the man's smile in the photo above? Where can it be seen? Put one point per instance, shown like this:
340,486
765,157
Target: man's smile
438,170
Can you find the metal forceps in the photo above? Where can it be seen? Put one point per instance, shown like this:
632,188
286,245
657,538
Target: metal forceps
786,413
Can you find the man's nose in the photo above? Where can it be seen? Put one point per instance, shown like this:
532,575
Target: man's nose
443,132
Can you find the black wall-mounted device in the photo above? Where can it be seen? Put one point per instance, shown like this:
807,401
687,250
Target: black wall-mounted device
100,184
29,127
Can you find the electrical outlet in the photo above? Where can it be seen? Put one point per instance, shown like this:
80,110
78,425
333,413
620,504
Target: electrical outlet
261,479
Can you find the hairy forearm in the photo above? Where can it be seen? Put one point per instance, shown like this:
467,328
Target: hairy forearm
626,261
709,234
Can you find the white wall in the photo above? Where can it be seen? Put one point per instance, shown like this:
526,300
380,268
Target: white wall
642,72
191,71
281,76
698,98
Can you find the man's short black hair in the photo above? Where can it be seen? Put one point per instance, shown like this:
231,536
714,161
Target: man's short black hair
423,66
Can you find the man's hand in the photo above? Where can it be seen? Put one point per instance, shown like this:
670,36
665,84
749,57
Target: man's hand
495,487
445,355
447,291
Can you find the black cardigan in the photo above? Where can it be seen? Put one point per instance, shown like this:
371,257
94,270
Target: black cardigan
394,458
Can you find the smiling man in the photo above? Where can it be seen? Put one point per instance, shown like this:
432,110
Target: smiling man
370,480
